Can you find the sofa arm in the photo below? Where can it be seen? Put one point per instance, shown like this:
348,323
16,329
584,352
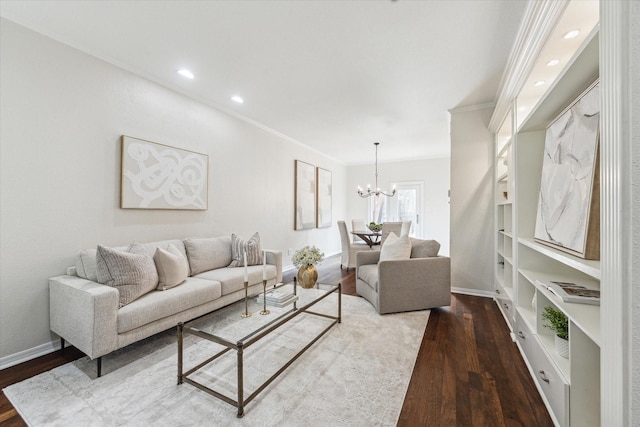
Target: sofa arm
274,257
84,313
414,284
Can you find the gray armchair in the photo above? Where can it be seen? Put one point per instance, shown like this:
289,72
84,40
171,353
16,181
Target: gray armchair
403,285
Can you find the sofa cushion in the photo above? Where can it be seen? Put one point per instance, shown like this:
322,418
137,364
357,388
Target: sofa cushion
252,248
158,305
369,274
86,264
208,253
133,274
395,247
424,248
172,266
232,279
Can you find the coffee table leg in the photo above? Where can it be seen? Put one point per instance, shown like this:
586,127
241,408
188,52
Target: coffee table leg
339,302
240,382
179,353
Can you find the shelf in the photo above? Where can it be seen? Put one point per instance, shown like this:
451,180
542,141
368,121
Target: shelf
505,202
585,316
504,149
506,233
509,292
528,315
503,177
588,267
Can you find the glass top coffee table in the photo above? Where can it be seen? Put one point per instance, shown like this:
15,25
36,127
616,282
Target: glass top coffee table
238,326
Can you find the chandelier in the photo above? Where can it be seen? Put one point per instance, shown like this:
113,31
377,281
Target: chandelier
377,191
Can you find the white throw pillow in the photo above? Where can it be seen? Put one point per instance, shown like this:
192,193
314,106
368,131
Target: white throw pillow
395,247
133,274
172,266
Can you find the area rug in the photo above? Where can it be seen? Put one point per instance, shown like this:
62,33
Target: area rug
356,375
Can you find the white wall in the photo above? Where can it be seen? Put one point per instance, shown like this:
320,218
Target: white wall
471,201
434,173
62,114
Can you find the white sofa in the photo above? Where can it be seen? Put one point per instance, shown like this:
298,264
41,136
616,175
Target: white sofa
88,314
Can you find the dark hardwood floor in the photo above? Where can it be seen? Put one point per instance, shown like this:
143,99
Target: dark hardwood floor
468,371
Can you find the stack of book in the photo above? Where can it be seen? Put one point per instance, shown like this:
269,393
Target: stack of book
279,297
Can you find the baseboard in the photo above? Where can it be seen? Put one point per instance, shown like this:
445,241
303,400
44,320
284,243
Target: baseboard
29,354
473,292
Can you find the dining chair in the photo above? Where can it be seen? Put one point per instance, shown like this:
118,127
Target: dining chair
358,225
406,228
349,250
388,227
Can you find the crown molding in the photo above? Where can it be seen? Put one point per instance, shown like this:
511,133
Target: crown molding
474,107
538,22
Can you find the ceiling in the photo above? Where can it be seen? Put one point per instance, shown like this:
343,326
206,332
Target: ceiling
333,75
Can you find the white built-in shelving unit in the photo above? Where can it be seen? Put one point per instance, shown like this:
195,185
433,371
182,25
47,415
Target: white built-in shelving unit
570,387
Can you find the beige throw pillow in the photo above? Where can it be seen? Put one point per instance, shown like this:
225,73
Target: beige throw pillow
395,247
252,246
172,266
133,274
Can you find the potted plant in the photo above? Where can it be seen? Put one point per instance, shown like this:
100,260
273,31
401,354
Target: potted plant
306,259
557,321
374,227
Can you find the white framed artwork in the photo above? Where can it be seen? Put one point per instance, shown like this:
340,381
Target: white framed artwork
157,176
569,200
305,196
323,195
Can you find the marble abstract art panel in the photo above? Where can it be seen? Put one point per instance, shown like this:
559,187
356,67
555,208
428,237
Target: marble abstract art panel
305,196
156,176
566,216
323,216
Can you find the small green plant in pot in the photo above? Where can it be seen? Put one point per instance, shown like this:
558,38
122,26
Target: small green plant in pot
557,321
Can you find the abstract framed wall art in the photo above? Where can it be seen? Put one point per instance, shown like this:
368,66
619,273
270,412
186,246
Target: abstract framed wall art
305,196
568,216
323,195
157,176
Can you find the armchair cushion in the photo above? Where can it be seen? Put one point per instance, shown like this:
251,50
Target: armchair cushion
395,247
369,274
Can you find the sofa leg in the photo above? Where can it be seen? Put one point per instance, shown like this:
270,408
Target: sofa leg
99,365
61,345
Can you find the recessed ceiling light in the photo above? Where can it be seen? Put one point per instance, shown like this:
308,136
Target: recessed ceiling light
571,34
186,73
553,62
237,99
539,83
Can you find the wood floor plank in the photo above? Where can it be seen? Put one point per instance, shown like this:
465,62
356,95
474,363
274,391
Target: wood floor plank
468,371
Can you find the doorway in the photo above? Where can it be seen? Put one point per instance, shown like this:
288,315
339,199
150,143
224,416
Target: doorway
406,205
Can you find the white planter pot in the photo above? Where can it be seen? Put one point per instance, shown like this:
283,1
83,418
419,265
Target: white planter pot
562,347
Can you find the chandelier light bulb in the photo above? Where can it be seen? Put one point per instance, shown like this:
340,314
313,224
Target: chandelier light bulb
377,192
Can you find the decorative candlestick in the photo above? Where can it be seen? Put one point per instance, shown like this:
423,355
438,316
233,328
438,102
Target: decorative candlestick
264,297
246,307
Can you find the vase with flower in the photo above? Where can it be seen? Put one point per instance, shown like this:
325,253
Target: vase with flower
306,259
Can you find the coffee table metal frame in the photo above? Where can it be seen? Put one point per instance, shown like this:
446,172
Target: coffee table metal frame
247,341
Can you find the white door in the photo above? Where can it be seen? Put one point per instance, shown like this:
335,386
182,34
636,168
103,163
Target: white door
406,205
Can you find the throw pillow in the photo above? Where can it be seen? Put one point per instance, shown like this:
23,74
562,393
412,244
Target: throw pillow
252,246
133,274
395,247
424,248
172,266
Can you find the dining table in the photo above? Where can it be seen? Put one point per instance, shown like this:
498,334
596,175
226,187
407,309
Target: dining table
371,238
